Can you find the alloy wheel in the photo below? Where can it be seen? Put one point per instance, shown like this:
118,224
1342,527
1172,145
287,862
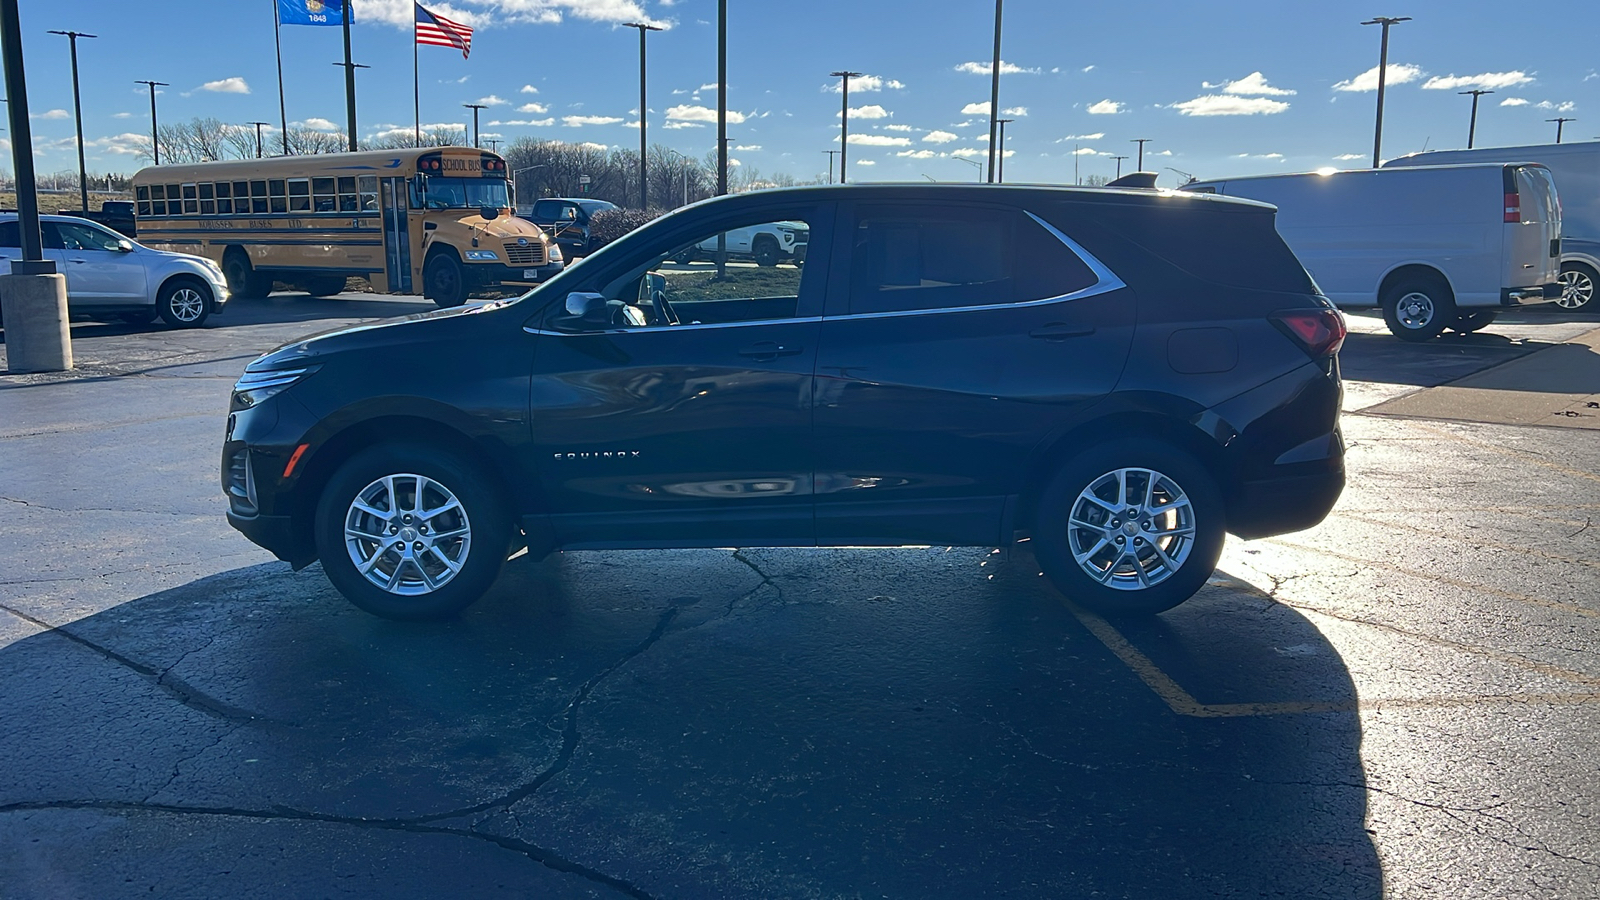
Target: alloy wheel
1577,289
408,534
1131,529
186,304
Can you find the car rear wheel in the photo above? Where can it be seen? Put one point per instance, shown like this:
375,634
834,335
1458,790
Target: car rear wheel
1577,286
1475,321
765,252
443,281
1129,527
184,303
1418,308
410,532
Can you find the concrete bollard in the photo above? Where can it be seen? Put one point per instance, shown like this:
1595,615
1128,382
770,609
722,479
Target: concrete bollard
34,308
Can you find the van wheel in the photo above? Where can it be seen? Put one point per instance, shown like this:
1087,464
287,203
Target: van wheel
411,532
243,280
1466,323
1129,527
766,252
1577,286
443,281
1418,308
184,303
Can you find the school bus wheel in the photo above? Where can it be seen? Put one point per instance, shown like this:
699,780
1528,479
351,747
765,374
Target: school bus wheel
443,282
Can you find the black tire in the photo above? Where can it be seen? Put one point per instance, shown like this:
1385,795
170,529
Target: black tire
1578,282
443,282
1466,323
1418,307
324,285
139,316
184,303
1123,590
482,511
765,251
685,258
243,279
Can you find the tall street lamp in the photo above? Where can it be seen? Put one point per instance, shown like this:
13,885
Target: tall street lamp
1141,142
155,146
1383,71
844,114
1001,177
77,112
474,107
830,164
1560,121
1472,126
258,136
685,160
644,187
978,175
994,89
1119,160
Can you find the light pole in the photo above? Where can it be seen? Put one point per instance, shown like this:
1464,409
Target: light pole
977,176
350,91
155,147
1119,160
258,135
474,107
644,187
494,144
1002,167
77,113
1472,126
830,164
517,172
844,114
1383,71
722,112
685,174
1141,142
1560,121
994,88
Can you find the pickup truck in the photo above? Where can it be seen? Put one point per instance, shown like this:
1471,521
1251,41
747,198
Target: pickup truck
567,220
766,245
116,215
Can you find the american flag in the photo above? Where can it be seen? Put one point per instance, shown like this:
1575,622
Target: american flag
438,31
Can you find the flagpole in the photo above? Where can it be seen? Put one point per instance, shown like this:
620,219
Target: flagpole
416,89
277,39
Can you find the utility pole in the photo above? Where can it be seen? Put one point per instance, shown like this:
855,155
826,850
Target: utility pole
1141,142
1472,126
1002,168
644,187
994,89
155,146
830,164
475,107
258,135
722,110
77,113
1383,71
349,78
494,144
844,114
1560,121
1119,160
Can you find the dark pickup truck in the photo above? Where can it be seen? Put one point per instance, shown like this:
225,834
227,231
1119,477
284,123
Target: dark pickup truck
116,215
567,220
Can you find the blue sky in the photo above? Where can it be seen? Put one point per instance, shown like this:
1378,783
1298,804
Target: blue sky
1220,88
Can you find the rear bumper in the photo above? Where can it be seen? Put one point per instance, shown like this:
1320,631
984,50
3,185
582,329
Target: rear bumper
1283,504
1527,296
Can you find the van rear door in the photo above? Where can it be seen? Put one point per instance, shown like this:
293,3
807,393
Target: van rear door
1532,250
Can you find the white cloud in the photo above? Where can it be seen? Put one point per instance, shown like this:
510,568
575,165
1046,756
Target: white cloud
1098,135
734,162
537,109
1591,76
878,140
1487,81
1229,105
1088,68
316,124
128,144
537,123
491,13
1345,157
1258,156
1564,106
985,68
1105,108
866,162
749,148
492,100
122,116
678,126
406,131
685,113
1254,83
1162,153
591,145
528,89
970,152
940,137
1086,151
234,85
1014,111
52,114
865,83
580,121
976,109
917,154
898,128
1397,73
872,111
708,86
1514,101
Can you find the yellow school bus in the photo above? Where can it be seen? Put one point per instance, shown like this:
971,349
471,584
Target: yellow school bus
438,219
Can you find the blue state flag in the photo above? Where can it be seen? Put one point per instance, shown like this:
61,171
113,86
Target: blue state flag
311,12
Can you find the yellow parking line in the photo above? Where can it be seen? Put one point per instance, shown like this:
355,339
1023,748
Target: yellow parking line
1508,451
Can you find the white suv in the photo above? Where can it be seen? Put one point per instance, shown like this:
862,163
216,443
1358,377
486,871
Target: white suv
109,274
767,245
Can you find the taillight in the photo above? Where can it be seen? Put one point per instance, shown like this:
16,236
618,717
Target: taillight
1513,208
1320,331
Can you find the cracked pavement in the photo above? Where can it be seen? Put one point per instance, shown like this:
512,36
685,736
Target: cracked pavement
1402,702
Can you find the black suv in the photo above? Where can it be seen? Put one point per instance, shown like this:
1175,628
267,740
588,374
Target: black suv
1120,375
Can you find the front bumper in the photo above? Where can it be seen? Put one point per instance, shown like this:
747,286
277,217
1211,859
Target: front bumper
1527,296
276,534
482,275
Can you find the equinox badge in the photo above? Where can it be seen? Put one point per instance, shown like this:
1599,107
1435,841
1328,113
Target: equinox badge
599,454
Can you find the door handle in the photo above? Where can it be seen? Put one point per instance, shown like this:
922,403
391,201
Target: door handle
78,260
766,350
1060,331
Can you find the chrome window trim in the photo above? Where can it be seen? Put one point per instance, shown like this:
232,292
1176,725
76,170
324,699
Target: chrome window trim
675,328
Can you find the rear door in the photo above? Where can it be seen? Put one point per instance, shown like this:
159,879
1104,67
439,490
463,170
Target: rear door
1532,254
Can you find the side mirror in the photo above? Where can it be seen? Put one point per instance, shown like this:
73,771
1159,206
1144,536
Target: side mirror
651,284
125,245
589,307
489,212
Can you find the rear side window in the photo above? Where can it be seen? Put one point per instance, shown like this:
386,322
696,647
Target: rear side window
10,234
924,258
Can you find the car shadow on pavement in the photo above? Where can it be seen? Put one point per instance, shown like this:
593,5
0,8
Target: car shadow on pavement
761,723
1385,358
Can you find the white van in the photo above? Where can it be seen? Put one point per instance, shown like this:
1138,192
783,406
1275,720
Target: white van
1576,169
1436,247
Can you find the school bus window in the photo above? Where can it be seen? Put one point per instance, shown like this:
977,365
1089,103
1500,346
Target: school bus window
322,198
174,203
258,196
224,197
279,195
190,205
299,195
158,201
348,201
141,193
207,191
189,192
369,193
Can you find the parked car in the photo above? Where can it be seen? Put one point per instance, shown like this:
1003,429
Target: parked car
1576,170
567,220
108,274
116,215
1121,376
766,245
1435,247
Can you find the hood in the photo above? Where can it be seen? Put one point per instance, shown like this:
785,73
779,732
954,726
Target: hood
402,329
504,226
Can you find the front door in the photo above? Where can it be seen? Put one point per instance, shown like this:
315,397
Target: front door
98,272
680,415
396,236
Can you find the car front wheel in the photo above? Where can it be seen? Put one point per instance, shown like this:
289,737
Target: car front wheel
184,304
1577,286
411,532
443,281
1418,309
1129,528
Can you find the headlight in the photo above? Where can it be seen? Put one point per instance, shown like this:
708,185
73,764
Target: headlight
481,256
254,388
555,253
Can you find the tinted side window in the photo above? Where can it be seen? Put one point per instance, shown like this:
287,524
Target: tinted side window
10,235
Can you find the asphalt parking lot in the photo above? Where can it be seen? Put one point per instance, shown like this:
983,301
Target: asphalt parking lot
1402,702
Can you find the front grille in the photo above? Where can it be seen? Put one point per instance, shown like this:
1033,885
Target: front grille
529,254
241,484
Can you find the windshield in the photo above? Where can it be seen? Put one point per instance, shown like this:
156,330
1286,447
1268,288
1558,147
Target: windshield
467,193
